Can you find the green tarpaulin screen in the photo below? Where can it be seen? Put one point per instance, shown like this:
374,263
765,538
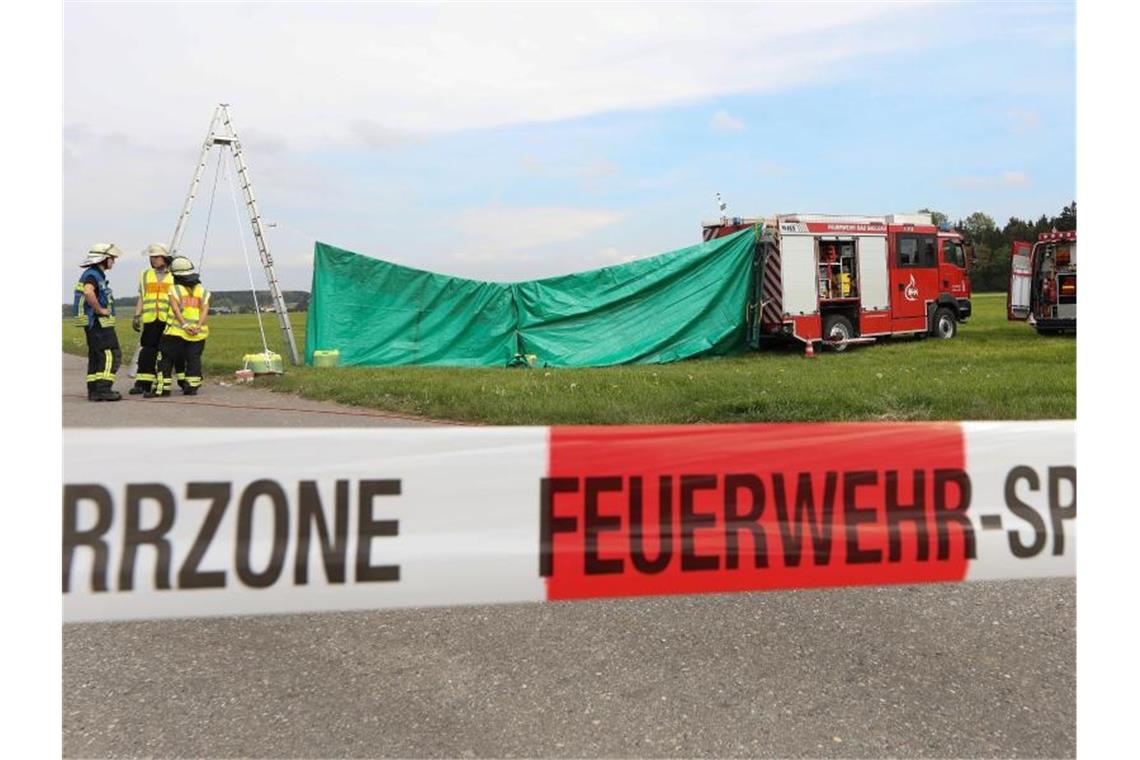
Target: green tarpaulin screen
678,305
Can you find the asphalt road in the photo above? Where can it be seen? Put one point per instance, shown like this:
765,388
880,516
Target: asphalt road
975,670
216,405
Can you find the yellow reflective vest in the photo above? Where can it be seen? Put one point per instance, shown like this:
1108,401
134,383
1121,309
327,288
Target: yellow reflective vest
191,301
155,295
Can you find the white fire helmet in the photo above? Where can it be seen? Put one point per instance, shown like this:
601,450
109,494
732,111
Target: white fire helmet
182,266
157,249
100,251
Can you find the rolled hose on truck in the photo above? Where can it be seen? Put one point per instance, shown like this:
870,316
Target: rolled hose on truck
308,520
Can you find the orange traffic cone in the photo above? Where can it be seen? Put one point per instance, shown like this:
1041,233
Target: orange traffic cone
809,352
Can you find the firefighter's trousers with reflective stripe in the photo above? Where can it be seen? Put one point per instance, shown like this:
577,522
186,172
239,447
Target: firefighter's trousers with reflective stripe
150,342
103,358
175,352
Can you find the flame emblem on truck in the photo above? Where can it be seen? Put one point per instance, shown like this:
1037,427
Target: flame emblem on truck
911,291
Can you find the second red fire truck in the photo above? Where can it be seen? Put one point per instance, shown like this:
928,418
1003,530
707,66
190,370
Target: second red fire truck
838,280
1043,282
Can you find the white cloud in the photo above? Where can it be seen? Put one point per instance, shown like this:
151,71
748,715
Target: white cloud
510,233
1014,179
378,136
383,72
301,260
591,170
311,84
723,122
591,175
1005,179
610,255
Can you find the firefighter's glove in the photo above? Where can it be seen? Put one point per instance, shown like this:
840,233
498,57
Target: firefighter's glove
136,323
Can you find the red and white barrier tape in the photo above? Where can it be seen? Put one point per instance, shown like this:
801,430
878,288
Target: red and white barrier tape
255,521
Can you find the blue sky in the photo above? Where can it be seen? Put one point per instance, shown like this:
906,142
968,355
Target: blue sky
511,142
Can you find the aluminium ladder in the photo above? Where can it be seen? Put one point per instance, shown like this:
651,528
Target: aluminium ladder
221,134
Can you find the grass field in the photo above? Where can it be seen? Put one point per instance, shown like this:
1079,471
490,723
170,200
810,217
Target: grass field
993,369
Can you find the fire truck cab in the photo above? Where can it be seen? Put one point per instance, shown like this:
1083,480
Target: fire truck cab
839,280
1043,282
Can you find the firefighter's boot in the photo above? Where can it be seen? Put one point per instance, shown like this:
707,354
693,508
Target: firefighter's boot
104,392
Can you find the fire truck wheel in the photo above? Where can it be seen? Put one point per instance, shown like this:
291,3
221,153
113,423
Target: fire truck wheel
945,325
836,330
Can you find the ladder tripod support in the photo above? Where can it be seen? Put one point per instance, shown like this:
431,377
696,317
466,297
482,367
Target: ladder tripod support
229,139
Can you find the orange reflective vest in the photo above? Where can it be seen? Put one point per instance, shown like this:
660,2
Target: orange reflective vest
155,296
190,301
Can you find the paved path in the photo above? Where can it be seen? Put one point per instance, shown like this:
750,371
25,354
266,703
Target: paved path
982,670
975,670
216,406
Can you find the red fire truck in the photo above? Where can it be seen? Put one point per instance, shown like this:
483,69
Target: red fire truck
839,280
1043,282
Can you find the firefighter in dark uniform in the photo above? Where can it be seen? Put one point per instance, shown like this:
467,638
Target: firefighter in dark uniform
152,312
186,332
94,311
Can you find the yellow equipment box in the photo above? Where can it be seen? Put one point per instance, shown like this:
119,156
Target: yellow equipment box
264,364
330,358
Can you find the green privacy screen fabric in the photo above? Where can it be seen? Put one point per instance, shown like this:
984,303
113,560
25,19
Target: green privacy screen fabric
678,305
379,313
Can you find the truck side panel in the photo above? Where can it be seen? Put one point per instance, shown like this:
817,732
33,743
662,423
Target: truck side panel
808,327
875,322
873,282
797,261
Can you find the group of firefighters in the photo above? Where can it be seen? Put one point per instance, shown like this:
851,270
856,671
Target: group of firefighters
170,316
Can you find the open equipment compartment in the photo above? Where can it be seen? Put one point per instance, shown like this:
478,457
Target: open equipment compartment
1053,284
838,268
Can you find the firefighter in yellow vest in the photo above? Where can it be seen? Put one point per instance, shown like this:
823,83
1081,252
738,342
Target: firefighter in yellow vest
186,332
152,312
94,311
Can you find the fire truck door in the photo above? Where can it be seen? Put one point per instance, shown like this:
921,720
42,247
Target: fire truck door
1020,282
952,277
914,276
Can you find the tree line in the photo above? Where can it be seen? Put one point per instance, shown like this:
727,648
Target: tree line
993,245
224,302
